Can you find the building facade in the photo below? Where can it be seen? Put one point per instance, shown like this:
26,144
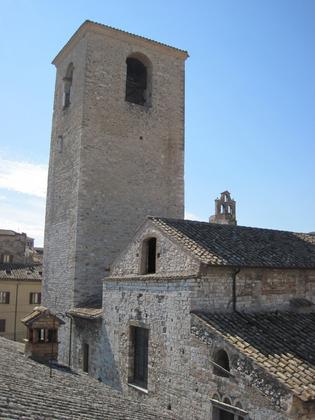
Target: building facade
220,329
195,319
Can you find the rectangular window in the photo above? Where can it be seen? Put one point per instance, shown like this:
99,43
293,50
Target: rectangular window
7,258
4,297
86,350
224,411
35,298
139,341
2,325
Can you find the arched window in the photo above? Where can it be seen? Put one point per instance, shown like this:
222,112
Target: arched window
149,256
136,81
67,85
221,360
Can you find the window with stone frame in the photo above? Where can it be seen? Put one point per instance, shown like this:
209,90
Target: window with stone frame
138,357
227,411
35,298
4,297
221,363
2,325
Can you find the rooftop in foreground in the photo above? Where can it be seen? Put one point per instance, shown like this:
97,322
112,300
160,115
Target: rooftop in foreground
28,392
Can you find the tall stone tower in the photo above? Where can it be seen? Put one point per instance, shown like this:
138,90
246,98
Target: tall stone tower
225,210
117,155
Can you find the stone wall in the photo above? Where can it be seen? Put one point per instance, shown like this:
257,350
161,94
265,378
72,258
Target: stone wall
62,193
256,289
170,259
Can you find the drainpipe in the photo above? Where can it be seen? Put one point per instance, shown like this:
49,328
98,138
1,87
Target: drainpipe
235,273
70,339
15,310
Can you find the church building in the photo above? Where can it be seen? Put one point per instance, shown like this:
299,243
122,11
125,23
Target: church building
204,320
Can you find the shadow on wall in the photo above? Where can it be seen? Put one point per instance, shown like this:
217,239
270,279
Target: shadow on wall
93,354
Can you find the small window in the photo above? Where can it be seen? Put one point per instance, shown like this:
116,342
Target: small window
2,325
4,297
85,359
41,335
35,298
136,82
6,258
220,414
60,144
149,256
67,86
138,366
44,335
221,363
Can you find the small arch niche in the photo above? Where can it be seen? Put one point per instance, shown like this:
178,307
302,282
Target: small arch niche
149,256
67,86
138,79
221,360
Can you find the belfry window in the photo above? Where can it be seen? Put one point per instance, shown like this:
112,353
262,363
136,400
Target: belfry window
136,81
67,86
149,256
221,363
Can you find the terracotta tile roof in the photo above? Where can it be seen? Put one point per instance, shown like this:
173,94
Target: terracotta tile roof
37,313
21,272
86,313
8,232
28,392
241,246
281,343
88,24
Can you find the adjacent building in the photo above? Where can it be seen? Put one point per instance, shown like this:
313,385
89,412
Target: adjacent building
20,291
20,282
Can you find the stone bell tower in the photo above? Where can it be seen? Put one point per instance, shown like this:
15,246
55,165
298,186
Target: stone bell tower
225,210
117,155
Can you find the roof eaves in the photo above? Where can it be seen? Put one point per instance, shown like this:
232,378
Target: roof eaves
95,26
189,244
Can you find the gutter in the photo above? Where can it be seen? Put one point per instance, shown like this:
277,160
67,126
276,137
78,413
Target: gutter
70,339
235,273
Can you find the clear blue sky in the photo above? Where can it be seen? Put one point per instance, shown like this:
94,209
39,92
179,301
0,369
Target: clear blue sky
250,101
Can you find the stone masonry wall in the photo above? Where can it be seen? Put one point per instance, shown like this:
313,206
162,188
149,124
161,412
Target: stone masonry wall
171,259
62,194
256,289
180,373
131,157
